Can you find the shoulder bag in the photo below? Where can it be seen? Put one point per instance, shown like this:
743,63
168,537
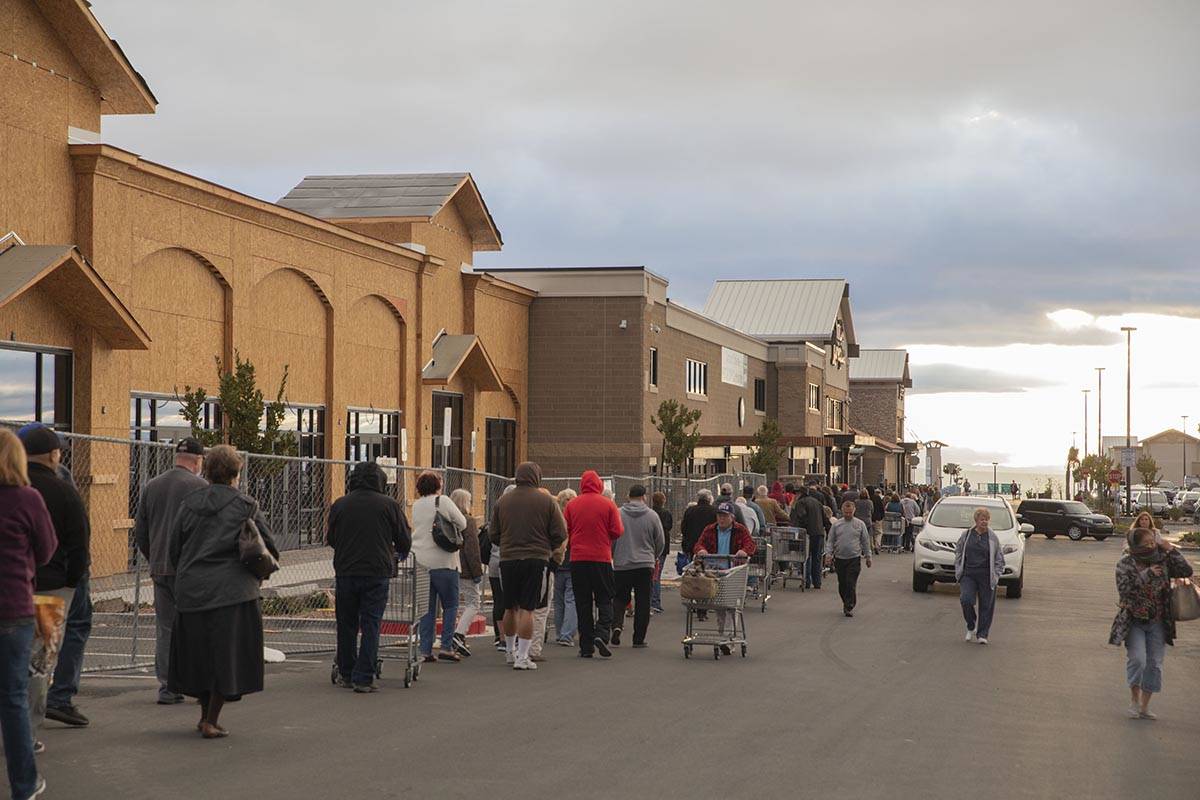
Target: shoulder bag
445,534
252,550
1185,600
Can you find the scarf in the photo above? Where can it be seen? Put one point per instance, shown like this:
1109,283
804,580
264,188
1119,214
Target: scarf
1145,555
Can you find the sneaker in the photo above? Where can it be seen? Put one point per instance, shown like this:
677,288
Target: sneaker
344,683
510,656
564,642
982,640
970,637
1147,714
524,663
585,655
615,641
1134,711
169,698
39,746
499,645
640,645
365,688
460,645
847,612
656,610
538,659
69,715
602,647
39,789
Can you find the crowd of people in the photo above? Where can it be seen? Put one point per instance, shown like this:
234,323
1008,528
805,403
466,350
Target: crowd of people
577,563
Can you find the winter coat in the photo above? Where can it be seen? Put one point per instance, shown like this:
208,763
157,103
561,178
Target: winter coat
809,513
1131,582
863,509
739,540
593,522
156,514
368,530
642,541
427,552
668,523
27,541
695,519
71,560
526,522
772,510
995,556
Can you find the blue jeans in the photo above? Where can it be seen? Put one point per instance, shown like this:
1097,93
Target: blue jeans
972,588
70,655
566,620
816,558
656,587
443,585
1144,649
359,607
16,639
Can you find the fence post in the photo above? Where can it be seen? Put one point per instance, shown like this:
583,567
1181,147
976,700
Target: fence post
137,607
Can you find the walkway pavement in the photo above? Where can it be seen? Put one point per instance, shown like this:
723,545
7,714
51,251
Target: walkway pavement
890,704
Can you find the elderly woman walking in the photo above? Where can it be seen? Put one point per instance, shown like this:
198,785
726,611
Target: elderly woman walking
978,565
217,641
1144,622
470,576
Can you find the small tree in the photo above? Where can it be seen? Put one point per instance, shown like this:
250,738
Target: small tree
1147,467
767,450
952,469
247,422
679,427
1096,468
1072,465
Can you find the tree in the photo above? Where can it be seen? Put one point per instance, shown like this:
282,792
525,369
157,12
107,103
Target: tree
767,450
247,422
953,470
1096,468
1072,464
679,427
1147,467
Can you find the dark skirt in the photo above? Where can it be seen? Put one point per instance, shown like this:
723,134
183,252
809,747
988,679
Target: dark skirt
219,650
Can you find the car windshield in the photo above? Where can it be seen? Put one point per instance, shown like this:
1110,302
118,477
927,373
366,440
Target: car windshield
1076,508
962,515
1153,497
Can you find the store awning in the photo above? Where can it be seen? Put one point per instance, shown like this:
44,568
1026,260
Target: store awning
463,354
75,287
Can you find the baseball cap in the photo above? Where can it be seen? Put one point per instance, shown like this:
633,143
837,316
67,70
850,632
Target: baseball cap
40,440
725,507
189,445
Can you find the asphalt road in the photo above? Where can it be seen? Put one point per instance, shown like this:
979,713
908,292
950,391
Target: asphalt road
890,704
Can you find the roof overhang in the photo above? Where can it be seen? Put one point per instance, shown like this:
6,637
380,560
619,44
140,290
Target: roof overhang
469,202
122,89
75,286
461,355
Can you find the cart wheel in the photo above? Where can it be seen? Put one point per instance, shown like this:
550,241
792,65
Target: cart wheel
764,605
687,651
408,677
416,671
716,654
743,651
378,668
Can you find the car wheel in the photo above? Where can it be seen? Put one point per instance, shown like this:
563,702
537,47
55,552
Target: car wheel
921,583
1051,535
1099,538
1013,590
1075,533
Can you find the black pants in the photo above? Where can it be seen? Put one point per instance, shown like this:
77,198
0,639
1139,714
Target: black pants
593,583
360,604
497,604
847,570
638,583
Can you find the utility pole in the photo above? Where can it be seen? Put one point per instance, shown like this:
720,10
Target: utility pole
1128,415
1100,411
1085,433
1183,482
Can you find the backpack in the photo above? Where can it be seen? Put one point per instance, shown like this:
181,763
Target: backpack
445,535
485,545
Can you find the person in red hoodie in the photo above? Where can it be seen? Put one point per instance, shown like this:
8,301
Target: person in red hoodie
593,524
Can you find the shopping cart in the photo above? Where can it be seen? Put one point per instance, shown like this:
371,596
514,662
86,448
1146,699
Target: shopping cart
727,607
408,597
760,565
893,532
789,553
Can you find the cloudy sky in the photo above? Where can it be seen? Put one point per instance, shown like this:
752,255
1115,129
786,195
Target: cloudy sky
969,167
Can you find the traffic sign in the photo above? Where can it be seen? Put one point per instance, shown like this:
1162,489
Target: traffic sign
1128,457
1114,476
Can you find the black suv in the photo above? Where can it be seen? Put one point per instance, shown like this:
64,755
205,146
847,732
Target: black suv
1076,520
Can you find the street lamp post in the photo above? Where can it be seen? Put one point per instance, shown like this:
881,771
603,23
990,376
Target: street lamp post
1099,411
1128,330
1183,482
995,484
1085,431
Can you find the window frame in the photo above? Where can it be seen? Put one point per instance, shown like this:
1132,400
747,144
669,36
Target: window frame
507,427
817,406
696,377
760,395
61,370
653,380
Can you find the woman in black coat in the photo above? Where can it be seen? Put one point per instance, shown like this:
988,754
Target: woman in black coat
659,501
217,646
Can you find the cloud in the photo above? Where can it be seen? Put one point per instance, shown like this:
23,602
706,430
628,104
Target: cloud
948,378
1172,384
966,456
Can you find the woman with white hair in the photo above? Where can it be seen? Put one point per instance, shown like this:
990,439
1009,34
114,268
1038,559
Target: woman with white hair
978,565
470,576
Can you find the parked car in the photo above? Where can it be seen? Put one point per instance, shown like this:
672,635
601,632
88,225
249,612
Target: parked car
1150,500
937,534
1076,520
1186,501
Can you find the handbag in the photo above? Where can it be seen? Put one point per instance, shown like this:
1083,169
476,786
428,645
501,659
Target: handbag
252,550
696,584
1185,600
451,542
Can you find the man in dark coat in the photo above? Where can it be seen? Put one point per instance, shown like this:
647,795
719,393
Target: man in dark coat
695,519
808,512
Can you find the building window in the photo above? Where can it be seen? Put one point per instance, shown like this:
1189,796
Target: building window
454,402
697,377
501,435
814,397
35,386
159,418
835,414
372,434
760,394
307,424
654,367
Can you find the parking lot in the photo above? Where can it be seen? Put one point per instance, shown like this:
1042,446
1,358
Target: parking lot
891,703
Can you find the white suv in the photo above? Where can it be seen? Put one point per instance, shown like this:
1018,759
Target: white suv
937,535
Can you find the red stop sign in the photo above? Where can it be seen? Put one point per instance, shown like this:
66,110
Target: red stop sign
1114,476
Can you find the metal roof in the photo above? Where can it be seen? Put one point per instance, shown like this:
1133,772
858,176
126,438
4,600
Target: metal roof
353,196
879,365
22,265
452,354
777,309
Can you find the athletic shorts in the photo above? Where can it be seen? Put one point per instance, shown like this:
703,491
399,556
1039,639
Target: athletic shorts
524,583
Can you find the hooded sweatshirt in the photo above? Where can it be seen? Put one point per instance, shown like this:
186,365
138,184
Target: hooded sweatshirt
593,522
367,529
526,522
643,539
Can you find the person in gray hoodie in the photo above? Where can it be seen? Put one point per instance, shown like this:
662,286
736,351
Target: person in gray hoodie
634,555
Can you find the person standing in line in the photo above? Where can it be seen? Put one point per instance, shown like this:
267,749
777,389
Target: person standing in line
772,510
217,639
751,519
659,501
443,565
27,541
156,512
1145,623
528,527
57,579
725,537
593,524
759,514
726,496
848,544
496,584
978,565
695,519
808,512
909,510
368,532
541,616
634,556
566,618
470,577
877,520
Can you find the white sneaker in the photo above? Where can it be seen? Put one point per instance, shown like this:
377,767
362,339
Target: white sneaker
1147,714
1134,711
970,635
510,657
982,640
524,663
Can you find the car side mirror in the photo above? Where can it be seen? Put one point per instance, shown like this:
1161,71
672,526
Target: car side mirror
1026,529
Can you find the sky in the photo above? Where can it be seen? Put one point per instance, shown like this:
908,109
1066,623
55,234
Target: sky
971,168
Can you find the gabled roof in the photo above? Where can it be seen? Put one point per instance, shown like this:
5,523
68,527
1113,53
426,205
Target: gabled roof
418,196
1170,435
881,365
782,310
75,286
452,354
122,88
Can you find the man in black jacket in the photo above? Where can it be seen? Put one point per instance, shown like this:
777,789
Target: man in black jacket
368,531
808,512
65,571
695,519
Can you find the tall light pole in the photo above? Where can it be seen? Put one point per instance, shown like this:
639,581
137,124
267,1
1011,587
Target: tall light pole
1085,432
995,484
1183,483
1100,411
1128,415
